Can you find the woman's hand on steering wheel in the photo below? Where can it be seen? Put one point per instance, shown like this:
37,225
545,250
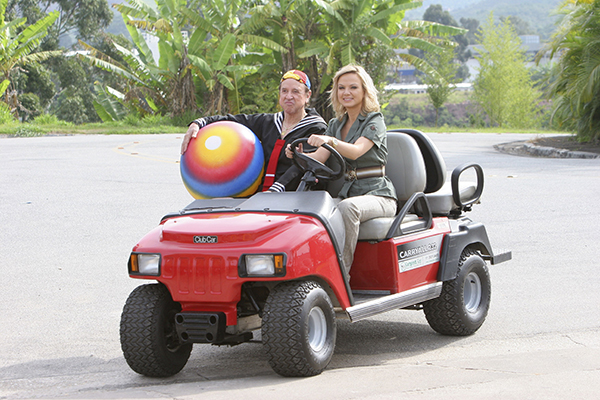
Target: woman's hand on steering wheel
319,140
307,163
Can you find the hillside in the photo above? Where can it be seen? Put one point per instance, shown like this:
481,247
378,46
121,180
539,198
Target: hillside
537,13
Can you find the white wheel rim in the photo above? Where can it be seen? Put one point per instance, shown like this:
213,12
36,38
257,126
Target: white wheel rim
317,329
472,292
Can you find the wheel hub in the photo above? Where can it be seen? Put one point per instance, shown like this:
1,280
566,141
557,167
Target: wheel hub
472,292
317,329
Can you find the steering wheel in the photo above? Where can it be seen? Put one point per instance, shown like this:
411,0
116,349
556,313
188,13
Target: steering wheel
317,168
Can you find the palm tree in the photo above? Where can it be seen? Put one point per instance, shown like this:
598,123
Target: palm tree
576,77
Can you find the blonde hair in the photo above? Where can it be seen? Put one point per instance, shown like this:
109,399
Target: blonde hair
370,102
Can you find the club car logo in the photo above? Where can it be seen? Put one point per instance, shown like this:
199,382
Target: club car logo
419,254
205,239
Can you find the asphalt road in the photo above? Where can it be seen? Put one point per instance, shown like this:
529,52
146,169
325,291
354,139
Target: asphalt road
72,207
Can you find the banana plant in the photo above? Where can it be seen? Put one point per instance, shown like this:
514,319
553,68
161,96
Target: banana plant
173,70
109,104
144,89
217,46
365,25
20,47
295,25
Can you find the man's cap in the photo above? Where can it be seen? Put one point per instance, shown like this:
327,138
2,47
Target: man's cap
297,75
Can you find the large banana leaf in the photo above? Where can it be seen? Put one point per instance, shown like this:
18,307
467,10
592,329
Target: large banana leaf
34,33
347,55
224,52
202,65
144,51
312,49
108,104
224,80
137,9
431,28
262,42
386,14
379,35
167,61
4,86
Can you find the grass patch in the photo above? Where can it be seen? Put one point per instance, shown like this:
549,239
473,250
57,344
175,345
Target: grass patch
32,129
50,125
452,129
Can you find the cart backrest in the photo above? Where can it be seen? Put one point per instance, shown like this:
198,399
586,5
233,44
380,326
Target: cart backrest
435,166
405,166
414,164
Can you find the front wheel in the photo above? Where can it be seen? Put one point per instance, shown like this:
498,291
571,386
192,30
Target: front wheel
148,337
298,329
464,302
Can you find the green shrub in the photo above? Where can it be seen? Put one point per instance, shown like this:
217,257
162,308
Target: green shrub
45,119
184,119
72,109
5,114
155,120
27,130
30,106
132,120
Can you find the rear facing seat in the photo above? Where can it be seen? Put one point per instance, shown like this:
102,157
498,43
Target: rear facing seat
415,165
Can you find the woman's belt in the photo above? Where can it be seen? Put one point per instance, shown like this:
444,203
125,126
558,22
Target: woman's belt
368,172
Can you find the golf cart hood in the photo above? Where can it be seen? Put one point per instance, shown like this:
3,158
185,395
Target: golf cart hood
247,229
253,219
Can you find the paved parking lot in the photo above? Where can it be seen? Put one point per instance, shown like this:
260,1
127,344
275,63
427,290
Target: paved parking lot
72,207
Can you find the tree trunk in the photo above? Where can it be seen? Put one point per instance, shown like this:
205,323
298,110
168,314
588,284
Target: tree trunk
183,92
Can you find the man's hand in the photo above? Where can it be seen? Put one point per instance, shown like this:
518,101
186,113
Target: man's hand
191,132
289,153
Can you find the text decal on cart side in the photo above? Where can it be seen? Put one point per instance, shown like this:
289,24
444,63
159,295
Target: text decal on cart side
419,253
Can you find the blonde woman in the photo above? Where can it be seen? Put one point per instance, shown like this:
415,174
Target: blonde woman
358,133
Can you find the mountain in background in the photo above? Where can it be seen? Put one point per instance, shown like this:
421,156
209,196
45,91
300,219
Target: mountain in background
537,13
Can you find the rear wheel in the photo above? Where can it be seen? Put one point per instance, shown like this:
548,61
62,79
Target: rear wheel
463,305
148,337
298,329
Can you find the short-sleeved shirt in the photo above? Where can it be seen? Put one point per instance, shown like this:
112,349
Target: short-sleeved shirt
372,127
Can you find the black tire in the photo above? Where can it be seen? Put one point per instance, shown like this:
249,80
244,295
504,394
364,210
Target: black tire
464,303
148,337
299,329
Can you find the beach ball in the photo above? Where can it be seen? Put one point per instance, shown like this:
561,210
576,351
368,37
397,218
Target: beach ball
224,160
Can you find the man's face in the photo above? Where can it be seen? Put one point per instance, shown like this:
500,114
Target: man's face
293,96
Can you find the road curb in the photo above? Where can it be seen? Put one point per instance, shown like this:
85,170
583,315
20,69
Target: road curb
525,148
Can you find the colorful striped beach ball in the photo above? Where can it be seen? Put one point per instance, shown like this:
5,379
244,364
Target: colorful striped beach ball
224,160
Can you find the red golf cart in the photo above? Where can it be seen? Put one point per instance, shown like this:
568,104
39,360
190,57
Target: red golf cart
227,267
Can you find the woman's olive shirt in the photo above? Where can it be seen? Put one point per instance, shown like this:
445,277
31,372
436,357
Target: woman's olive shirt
372,127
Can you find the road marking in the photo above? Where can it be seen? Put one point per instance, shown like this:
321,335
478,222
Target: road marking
131,149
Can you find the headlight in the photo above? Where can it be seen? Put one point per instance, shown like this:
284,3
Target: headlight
262,265
144,264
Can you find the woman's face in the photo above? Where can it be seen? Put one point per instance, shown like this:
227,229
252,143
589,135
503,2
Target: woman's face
350,92
293,96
